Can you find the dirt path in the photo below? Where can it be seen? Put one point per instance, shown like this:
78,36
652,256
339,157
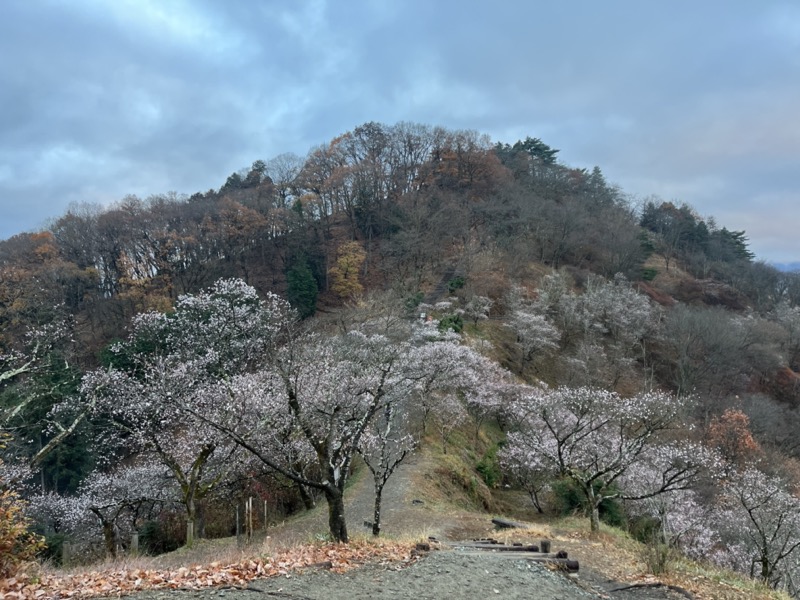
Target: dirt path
445,573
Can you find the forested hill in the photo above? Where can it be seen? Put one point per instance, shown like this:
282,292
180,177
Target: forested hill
416,201
550,275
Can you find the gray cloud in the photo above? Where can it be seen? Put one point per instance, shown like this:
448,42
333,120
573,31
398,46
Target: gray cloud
691,101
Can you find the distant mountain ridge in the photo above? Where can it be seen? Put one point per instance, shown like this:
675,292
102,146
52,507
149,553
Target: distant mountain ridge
787,267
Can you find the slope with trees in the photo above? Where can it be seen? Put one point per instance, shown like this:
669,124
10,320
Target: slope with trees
609,345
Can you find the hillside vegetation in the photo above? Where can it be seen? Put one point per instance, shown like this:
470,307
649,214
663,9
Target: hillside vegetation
164,359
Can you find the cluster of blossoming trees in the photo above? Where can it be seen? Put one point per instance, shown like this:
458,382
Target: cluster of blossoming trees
229,384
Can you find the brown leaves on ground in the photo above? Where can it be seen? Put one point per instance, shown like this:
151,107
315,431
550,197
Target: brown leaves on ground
336,557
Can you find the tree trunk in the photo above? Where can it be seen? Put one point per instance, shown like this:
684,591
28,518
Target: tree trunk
109,533
110,538
306,497
336,518
595,519
200,520
376,513
191,515
594,507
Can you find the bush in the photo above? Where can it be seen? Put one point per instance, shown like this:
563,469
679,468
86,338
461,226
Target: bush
489,467
155,538
656,553
454,322
569,499
648,273
413,301
17,543
456,283
54,547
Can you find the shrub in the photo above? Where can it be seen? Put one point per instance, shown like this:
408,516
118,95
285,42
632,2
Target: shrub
154,538
456,283
569,499
413,301
489,467
54,548
648,273
454,322
17,543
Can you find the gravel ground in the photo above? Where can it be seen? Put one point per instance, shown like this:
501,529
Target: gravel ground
440,574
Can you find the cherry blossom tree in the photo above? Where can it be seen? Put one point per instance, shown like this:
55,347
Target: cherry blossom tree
516,461
448,413
682,520
594,437
319,392
535,335
105,511
384,446
229,368
168,365
43,375
477,308
304,414
761,518
149,419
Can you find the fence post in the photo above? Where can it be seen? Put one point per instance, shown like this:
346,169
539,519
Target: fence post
66,554
134,544
238,527
250,520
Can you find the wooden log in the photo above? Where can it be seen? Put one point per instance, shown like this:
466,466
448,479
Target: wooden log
506,524
497,547
562,564
505,548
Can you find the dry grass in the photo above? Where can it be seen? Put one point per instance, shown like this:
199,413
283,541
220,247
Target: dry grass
616,556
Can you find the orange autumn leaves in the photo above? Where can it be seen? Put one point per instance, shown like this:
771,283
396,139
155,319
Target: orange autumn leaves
730,434
336,557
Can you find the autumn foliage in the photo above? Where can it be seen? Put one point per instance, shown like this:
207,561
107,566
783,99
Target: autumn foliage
17,543
345,273
730,434
114,582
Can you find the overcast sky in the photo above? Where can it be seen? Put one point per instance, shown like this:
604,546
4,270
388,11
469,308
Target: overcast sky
697,102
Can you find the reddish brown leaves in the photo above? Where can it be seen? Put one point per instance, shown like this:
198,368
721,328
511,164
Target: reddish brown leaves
337,557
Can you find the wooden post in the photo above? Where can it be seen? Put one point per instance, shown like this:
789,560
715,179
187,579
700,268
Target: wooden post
238,527
134,550
250,520
66,554
545,544
265,516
